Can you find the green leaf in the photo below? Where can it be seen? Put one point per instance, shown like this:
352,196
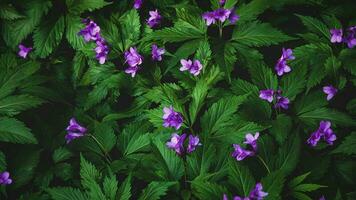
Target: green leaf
207,190
348,145
241,87
14,32
273,185
220,113
251,10
315,26
297,180
124,191
155,190
225,56
328,114
308,187
13,105
137,143
26,162
281,128
293,83
332,65
8,12
241,178
198,96
89,174
110,187
258,34
74,25
203,53
2,161
14,131
288,155
66,193
263,77
130,29
79,6
48,36
301,196
61,154
171,164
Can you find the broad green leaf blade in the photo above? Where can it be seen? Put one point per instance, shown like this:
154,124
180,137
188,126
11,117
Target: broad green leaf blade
273,185
48,36
14,131
13,105
110,187
315,26
241,178
348,145
79,6
155,190
297,180
74,25
66,193
124,192
288,155
61,154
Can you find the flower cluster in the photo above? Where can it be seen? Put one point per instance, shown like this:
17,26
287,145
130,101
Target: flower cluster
255,194
133,59
5,178
172,118
269,95
157,53
220,14
92,33
24,51
154,19
281,66
330,91
177,143
194,67
241,153
74,130
324,131
338,37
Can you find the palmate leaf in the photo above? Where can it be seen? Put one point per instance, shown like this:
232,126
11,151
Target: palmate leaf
315,26
327,114
13,105
172,164
281,128
293,83
241,178
17,30
155,190
263,77
66,193
73,26
110,187
225,56
348,145
124,191
130,29
251,10
89,175
273,185
79,6
258,34
48,36
207,190
14,131
200,162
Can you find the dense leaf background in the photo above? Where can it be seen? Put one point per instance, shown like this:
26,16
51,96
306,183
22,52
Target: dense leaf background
61,78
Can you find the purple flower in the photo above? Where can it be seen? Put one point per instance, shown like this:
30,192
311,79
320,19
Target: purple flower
176,143
240,153
101,50
172,118
350,39
222,2
330,91
24,51
322,198
132,70
252,140
336,35
5,178
137,4
233,17
132,57
91,31
222,14
157,52
209,18
267,95
282,102
257,192
324,131
281,66
235,198
154,19
74,130
194,67
193,143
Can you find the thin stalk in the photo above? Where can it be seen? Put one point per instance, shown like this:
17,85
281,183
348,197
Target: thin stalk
106,155
264,164
220,29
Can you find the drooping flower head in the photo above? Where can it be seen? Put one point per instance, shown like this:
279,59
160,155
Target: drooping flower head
282,102
154,19
252,140
172,118
257,192
209,18
133,59
330,91
74,130
157,53
176,143
350,38
267,95
194,67
241,153
137,4
5,178
324,131
24,51
193,143
336,35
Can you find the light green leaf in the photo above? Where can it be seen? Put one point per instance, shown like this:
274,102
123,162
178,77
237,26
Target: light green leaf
155,190
124,191
74,25
110,187
14,131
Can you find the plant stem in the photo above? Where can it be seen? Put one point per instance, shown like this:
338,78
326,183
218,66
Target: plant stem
106,155
264,163
220,30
